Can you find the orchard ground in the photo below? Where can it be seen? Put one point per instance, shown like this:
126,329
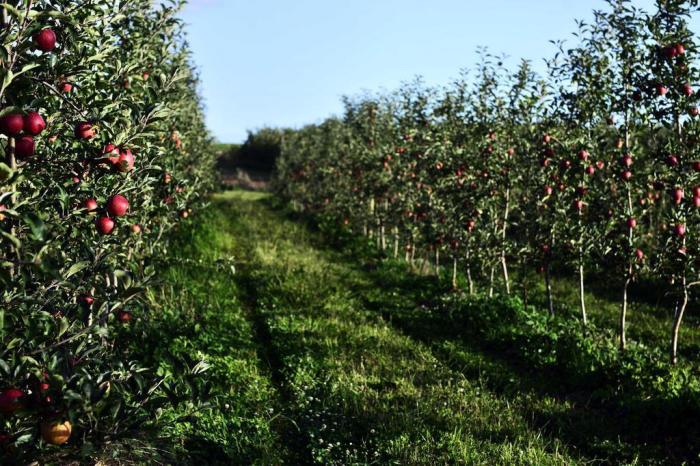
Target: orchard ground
318,349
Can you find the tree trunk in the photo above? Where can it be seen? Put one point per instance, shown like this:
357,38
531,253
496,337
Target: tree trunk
582,297
504,264
623,311
548,285
454,273
677,323
396,243
470,282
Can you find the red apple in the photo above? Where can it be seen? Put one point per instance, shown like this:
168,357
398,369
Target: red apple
104,225
11,400
24,147
694,111
661,90
33,123
577,205
677,195
696,165
583,154
184,214
546,138
548,190
123,316
117,205
45,40
136,228
600,164
639,253
687,90
66,87
631,223
679,229
510,152
90,205
86,300
626,160
12,124
125,161
84,130
672,160
626,175
680,49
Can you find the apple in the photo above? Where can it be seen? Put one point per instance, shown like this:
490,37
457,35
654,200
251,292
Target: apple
104,225
631,223
626,175
669,52
184,214
117,205
11,400
34,124
548,190
677,195
619,144
146,75
600,164
680,49
167,177
696,201
639,253
577,205
84,130
45,40
565,164
626,160
694,111
24,146
470,225
56,433
3,208
661,90
66,87
672,160
12,124
546,138
510,152
90,205
125,161
86,300
679,229
136,228
590,170
124,316
76,179
687,89
583,154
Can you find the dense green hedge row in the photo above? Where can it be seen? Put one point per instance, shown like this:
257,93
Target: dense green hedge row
106,152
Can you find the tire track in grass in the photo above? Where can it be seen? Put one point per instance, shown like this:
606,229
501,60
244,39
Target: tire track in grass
362,392
293,439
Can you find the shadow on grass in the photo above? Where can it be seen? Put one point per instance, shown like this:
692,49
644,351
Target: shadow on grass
616,429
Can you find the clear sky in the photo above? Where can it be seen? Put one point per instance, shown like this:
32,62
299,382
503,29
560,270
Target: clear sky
288,62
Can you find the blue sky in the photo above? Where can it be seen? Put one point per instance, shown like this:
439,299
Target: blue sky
288,62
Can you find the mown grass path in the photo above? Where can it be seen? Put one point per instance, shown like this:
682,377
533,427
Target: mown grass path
352,387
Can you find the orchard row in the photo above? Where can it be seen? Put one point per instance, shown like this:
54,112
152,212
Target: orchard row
101,124
592,169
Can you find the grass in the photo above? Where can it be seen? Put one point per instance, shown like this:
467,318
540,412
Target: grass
318,350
